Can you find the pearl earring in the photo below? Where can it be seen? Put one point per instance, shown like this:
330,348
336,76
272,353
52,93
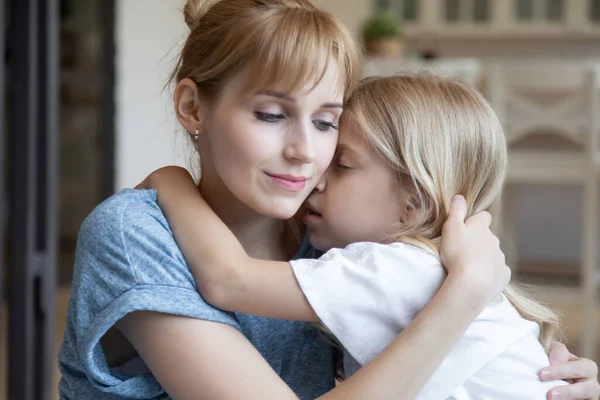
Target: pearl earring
195,135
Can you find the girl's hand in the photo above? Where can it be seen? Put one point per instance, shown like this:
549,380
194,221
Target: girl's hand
580,372
471,253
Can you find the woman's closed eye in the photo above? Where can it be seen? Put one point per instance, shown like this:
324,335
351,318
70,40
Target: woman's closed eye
269,117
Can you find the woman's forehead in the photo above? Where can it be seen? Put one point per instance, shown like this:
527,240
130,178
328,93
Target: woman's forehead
326,78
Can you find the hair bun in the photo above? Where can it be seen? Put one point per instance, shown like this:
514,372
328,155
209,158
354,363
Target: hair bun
194,10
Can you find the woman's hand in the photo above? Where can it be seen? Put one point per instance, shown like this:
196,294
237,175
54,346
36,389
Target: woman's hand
580,372
471,253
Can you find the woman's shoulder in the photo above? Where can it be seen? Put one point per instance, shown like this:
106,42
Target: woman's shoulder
127,240
126,206
126,260
124,219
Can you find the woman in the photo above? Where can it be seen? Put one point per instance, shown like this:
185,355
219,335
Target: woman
264,116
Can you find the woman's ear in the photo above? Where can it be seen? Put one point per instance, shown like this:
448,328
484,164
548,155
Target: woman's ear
190,106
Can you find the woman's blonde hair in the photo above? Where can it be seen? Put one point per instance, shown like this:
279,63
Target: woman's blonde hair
443,138
286,42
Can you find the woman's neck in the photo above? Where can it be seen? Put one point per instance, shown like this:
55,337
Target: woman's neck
261,236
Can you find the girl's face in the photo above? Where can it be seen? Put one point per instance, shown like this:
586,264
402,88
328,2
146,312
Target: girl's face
270,149
358,199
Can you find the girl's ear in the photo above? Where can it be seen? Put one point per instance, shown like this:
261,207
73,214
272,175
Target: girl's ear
408,213
410,203
190,106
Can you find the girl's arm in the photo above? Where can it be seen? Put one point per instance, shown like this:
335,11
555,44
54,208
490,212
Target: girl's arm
225,275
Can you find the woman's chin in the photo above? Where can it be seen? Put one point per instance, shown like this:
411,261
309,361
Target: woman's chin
282,214
280,210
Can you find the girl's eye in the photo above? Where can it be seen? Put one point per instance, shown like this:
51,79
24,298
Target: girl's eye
324,126
268,117
342,166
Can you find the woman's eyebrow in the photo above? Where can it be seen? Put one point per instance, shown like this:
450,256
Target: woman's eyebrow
279,95
286,97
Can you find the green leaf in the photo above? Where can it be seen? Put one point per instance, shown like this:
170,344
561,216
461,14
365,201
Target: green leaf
384,25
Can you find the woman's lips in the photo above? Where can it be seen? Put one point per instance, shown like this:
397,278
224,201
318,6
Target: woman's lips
289,182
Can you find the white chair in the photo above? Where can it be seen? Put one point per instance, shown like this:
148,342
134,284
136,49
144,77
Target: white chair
561,98
466,69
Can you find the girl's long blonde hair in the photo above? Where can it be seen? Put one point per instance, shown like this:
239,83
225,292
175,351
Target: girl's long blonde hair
443,138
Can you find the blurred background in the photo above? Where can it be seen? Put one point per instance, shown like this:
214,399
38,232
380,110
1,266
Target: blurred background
84,115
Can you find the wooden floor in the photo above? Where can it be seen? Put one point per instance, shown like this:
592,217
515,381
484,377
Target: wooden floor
564,298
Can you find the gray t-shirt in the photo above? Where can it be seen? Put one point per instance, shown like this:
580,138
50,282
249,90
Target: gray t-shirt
127,260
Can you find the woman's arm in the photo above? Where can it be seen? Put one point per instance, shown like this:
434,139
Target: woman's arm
195,359
206,360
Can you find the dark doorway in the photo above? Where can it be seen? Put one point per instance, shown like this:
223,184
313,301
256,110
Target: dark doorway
56,165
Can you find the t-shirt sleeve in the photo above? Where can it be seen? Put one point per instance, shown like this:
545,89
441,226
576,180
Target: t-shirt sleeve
126,260
367,293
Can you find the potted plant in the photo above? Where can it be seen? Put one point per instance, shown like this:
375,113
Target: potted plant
382,36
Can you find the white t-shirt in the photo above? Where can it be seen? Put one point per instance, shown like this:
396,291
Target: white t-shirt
367,293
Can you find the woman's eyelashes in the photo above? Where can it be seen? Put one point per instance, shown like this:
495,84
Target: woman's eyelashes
269,117
321,124
324,126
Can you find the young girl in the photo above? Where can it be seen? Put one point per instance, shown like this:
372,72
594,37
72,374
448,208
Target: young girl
406,145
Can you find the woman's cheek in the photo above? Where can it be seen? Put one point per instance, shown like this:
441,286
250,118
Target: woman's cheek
325,152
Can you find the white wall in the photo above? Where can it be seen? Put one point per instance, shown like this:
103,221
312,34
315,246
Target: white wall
148,38
352,12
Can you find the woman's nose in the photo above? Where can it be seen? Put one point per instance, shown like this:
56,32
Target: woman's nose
300,146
